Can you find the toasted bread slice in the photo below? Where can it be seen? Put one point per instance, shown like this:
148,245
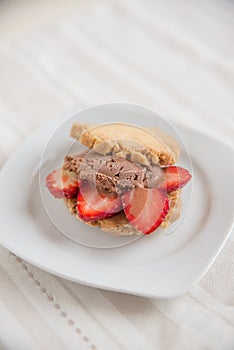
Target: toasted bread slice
144,146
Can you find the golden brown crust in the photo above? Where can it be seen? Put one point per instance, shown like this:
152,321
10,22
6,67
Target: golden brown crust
168,140
175,203
117,225
130,142
78,128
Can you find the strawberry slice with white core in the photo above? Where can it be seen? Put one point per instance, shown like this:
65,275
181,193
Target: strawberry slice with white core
175,177
62,183
145,208
92,206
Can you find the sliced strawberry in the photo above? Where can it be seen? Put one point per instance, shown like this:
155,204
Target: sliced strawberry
62,183
145,208
91,205
175,177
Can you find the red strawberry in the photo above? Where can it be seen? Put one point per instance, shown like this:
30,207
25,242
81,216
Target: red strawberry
175,177
62,183
91,205
145,208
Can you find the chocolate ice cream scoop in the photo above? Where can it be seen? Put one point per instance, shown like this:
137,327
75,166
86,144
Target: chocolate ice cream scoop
118,175
112,175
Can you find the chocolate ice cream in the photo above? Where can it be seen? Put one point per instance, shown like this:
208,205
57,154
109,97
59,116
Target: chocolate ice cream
112,175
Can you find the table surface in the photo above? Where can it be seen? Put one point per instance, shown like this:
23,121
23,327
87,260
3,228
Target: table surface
176,57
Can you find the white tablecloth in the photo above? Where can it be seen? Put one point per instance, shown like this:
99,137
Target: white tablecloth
176,57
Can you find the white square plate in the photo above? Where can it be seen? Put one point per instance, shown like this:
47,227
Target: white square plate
157,265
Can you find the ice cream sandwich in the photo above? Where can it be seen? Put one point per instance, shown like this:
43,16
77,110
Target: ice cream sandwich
125,182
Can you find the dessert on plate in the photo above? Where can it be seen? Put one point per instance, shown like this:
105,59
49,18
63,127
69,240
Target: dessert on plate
125,182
